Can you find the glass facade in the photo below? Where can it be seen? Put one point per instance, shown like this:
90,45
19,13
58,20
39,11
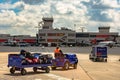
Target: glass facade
52,40
92,35
60,34
45,27
71,34
51,34
56,34
42,34
71,40
82,34
42,40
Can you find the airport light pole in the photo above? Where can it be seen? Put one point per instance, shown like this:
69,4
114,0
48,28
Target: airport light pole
40,24
37,34
82,29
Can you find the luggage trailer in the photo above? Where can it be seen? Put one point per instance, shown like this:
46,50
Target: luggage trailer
15,62
98,53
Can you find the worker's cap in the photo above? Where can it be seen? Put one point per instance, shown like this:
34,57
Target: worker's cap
22,51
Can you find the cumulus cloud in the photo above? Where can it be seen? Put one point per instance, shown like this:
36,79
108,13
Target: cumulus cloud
7,17
23,16
34,2
103,12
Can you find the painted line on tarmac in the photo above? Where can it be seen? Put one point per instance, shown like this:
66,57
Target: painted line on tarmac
38,79
56,77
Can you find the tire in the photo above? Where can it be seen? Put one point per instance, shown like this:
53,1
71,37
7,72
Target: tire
66,66
75,66
23,72
105,60
12,70
47,70
35,69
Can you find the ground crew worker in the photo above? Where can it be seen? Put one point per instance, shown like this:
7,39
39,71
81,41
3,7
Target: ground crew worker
25,54
57,52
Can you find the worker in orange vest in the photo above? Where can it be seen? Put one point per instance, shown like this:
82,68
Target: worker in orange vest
57,52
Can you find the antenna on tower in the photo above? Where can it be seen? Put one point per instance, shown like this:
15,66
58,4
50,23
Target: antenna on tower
40,24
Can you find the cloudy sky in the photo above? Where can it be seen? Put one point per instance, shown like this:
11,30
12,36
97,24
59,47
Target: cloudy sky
22,16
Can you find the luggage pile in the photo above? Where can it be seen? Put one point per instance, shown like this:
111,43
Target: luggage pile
37,58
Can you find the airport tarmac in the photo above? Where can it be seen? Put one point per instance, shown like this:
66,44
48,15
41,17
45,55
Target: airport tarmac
87,70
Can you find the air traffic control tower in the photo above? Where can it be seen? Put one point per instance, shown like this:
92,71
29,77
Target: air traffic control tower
48,22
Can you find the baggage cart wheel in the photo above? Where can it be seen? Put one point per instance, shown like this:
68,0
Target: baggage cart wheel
75,66
47,70
35,69
66,66
23,72
105,60
12,70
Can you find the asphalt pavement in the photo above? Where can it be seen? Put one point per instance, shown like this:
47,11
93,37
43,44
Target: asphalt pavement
112,51
87,69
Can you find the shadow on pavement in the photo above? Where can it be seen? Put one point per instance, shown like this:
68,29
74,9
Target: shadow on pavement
28,73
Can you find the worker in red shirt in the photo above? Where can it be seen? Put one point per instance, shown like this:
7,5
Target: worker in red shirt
57,52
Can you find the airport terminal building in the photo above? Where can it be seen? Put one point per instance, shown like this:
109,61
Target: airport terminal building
95,37
64,36
49,36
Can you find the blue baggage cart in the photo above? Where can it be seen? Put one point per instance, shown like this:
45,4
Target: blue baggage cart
65,61
17,64
98,53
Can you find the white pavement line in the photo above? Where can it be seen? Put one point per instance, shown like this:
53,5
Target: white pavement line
56,77
38,79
